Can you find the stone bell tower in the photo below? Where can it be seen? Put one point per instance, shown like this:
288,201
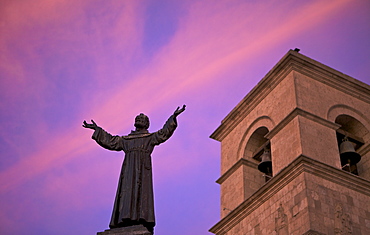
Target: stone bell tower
295,154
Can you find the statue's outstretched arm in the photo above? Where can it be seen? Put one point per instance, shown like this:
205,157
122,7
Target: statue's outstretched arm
178,111
103,138
90,126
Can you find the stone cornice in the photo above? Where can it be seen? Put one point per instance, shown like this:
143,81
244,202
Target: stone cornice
301,164
232,169
253,98
333,78
302,64
301,112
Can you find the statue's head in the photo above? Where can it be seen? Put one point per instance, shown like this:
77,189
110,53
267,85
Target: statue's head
142,121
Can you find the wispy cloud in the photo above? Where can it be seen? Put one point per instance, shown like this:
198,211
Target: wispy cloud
61,63
175,70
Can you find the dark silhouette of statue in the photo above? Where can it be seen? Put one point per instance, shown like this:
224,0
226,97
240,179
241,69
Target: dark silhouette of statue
134,203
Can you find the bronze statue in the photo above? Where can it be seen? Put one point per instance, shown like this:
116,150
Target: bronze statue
134,203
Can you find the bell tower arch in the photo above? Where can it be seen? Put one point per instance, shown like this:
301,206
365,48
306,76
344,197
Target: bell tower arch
284,167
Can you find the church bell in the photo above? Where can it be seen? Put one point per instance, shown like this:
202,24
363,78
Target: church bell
348,153
265,165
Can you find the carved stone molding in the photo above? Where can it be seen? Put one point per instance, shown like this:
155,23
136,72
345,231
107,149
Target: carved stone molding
281,222
342,221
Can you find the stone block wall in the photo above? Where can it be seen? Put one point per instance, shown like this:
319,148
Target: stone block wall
337,209
307,197
286,212
232,191
305,107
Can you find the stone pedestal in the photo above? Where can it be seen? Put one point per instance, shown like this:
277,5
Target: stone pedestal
131,230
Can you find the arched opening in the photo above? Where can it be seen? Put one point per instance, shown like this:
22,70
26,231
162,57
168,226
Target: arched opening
258,148
353,131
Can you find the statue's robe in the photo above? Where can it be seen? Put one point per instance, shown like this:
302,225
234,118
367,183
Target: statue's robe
134,198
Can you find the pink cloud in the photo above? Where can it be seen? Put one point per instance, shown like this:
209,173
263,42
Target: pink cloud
176,69
32,31
213,44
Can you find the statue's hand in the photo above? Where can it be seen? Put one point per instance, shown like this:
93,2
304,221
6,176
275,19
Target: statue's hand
90,126
178,111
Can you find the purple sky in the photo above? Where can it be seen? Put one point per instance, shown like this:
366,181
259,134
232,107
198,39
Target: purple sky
62,62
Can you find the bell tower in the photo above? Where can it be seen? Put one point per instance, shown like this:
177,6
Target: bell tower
295,154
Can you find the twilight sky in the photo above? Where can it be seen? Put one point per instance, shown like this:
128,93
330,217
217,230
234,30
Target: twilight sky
62,62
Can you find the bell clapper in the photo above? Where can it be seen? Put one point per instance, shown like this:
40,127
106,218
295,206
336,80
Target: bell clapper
345,166
267,176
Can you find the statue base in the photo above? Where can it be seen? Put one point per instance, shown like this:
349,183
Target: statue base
130,230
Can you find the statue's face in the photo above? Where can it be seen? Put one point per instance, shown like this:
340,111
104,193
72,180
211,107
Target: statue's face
142,121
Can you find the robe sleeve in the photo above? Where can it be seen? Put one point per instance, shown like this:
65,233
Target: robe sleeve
166,132
107,141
